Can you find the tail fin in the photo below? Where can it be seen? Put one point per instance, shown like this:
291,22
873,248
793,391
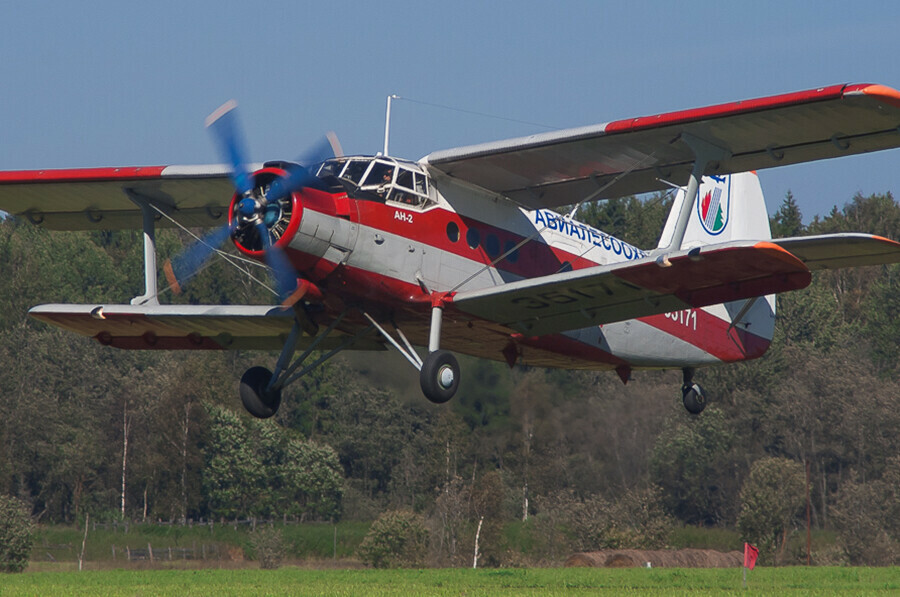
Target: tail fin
730,208
727,208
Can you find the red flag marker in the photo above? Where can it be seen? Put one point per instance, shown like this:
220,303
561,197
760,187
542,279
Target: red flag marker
750,555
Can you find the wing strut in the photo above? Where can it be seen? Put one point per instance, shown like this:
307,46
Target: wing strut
705,153
148,216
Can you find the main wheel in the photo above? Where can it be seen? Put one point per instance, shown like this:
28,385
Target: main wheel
694,398
439,376
260,403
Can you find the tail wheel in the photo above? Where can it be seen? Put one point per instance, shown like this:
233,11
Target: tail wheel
259,402
694,398
439,376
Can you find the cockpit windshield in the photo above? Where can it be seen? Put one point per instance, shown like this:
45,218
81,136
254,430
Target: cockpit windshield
379,178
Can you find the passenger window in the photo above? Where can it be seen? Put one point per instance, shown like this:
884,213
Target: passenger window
492,245
453,232
473,238
514,255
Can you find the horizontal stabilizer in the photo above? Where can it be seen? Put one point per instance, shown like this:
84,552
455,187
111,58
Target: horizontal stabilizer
626,290
186,327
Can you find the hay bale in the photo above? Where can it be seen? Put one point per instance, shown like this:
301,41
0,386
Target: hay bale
581,560
660,558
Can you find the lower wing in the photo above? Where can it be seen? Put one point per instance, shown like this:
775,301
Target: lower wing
188,327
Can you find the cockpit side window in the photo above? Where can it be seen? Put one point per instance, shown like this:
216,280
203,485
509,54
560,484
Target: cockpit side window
331,168
381,174
411,188
355,170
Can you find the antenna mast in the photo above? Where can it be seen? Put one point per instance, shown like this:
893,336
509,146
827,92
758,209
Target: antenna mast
387,122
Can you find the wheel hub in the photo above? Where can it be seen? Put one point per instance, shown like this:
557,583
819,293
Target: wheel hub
445,377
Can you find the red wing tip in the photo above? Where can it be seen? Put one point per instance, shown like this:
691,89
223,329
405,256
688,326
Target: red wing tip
883,92
884,239
781,252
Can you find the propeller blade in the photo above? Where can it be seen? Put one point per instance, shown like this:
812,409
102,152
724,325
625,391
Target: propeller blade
226,131
327,147
282,271
184,266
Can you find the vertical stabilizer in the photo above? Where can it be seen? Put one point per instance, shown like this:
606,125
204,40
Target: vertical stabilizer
730,208
727,208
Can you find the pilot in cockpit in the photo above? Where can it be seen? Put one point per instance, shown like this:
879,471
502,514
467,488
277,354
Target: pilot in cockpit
386,180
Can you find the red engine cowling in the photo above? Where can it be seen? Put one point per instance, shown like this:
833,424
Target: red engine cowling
304,243
281,218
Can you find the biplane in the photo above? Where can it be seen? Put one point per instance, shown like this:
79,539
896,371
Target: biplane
477,250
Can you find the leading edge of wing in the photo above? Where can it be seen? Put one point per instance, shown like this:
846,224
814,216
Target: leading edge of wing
186,327
100,198
644,154
606,294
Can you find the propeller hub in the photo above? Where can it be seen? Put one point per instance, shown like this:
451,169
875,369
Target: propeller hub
247,207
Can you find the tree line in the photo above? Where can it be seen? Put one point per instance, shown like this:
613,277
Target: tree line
582,460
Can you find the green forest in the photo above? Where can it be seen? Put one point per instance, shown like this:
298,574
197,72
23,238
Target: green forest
577,460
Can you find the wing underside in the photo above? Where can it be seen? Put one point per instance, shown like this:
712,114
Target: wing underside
109,198
187,327
646,154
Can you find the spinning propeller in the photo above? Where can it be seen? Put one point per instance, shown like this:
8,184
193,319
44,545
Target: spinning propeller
261,208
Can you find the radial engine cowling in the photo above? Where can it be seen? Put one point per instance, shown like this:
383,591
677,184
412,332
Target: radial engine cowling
281,217
311,226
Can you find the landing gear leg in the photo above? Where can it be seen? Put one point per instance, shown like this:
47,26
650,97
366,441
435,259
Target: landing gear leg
261,389
692,395
439,371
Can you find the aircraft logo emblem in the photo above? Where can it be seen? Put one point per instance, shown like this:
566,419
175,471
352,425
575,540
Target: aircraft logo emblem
713,210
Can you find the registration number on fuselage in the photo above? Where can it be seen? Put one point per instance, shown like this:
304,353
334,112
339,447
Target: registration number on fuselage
685,317
403,216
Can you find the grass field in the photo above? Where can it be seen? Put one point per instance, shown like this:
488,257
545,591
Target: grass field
534,581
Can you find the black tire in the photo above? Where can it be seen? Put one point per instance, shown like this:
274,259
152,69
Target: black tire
694,398
439,376
256,400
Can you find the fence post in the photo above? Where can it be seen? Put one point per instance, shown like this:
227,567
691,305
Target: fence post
150,552
114,551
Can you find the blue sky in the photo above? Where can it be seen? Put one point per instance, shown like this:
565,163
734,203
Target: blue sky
129,83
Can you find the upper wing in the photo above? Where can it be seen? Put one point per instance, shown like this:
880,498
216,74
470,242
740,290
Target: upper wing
632,156
832,251
98,198
626,290
189,327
